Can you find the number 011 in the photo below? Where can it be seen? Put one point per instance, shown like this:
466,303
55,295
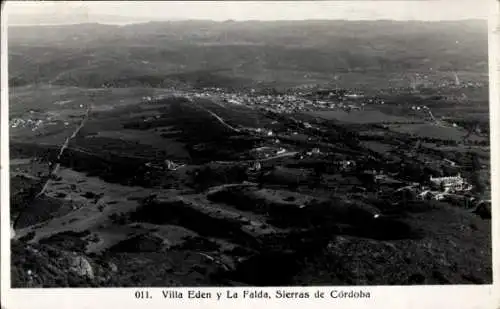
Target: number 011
142,294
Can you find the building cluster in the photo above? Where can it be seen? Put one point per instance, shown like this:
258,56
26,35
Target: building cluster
33,124
460,85
439,188
167,165
255,167
267,152
453,188
261,131
451,183
419,108
347,165
291,102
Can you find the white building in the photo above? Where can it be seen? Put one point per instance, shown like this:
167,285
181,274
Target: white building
440,196
426,195
347,164
450,182
256,166
171,166
449,162
313,151
280,151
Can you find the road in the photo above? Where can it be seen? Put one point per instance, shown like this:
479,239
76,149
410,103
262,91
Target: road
64,146
283,155
55,169
222,121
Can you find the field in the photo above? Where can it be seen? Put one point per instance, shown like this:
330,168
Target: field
362,117
434,131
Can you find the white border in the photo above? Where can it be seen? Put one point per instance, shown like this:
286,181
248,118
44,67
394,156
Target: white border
486,296
494,84
4,165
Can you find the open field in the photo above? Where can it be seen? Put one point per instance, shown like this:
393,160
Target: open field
364,116
434,131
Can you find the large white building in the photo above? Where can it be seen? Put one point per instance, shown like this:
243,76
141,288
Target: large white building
449,183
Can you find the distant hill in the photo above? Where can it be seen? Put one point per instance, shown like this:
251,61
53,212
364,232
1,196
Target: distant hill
61,18
283,51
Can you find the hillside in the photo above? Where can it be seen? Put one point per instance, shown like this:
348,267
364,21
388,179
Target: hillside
281,53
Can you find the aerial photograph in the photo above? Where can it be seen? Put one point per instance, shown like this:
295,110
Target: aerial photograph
210,144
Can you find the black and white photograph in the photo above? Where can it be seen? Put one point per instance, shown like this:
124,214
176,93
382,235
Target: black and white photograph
248,144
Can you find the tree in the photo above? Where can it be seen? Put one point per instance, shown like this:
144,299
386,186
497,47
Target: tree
293,186
475,164
260,179
319,170
475,179
476,182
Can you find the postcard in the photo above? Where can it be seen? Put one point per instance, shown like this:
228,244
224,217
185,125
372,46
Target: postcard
250,153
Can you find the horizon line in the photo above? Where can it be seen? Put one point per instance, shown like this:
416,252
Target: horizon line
239,21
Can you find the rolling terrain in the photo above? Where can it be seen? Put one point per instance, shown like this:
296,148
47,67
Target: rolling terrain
206,154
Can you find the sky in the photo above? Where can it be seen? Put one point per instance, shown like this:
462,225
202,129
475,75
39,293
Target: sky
99,11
